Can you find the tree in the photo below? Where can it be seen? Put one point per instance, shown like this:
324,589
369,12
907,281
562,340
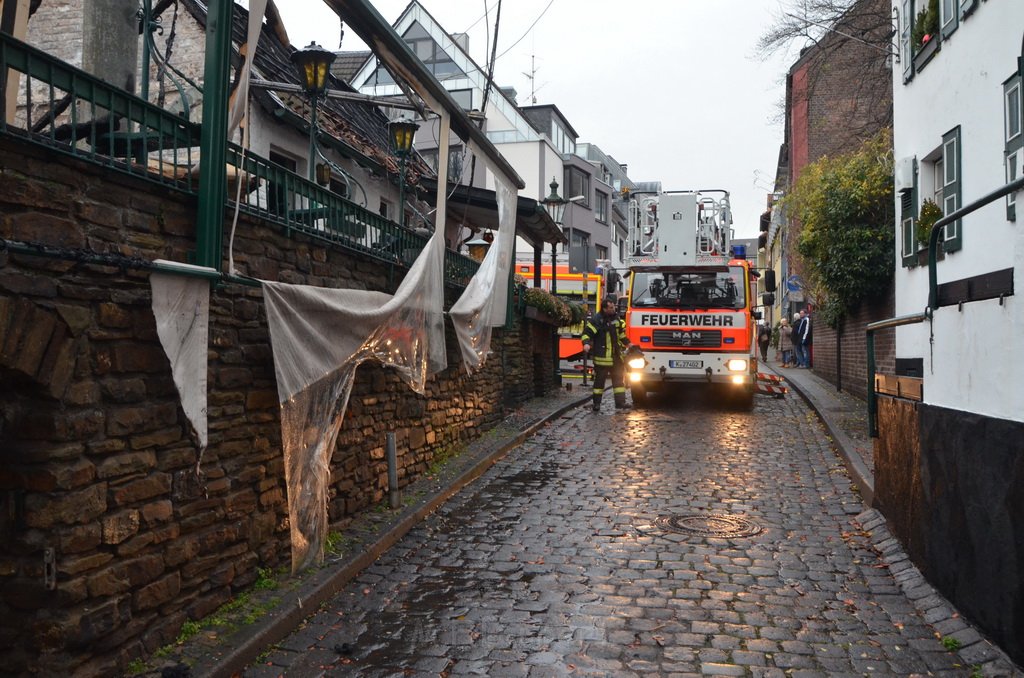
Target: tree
847,41
845,205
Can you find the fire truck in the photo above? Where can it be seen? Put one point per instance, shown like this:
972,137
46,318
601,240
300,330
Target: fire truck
584,288
690,306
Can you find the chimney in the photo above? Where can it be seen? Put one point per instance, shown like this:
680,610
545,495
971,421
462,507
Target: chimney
462,40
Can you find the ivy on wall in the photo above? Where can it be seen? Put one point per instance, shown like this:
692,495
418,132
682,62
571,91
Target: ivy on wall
845,205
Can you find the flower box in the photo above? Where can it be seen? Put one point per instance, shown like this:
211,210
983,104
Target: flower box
925,54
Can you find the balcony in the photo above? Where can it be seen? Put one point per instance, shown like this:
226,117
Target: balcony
70,111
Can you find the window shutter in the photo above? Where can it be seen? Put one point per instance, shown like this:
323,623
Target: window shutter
951,198
906,53
951,22
908,221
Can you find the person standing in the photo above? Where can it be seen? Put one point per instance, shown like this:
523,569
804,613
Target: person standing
794,341
785,342
805,339
764,337
604,338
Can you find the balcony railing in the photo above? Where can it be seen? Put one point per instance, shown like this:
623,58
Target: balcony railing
68,110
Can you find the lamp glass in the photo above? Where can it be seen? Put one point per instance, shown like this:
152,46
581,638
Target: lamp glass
554,203
402,133
313,63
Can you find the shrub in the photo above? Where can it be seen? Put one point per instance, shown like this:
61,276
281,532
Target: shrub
546,302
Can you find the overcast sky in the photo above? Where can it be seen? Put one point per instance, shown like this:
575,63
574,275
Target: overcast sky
672,88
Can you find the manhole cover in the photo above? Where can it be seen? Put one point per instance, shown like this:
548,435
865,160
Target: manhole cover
710,525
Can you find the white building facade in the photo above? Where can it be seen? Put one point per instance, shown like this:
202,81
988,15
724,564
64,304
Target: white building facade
949,460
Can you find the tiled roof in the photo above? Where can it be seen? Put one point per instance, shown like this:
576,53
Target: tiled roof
348,63
359,126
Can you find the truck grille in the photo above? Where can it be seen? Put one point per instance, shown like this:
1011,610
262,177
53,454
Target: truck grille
687,338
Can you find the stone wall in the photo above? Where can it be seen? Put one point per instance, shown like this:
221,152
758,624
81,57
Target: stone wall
98,473
950,484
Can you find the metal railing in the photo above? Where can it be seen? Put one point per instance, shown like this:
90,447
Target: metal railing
933,291
66,109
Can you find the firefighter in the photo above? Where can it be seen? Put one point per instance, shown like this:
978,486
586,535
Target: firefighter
604,338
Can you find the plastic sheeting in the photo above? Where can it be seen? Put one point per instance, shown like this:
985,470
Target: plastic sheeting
181,307
483,304
319,337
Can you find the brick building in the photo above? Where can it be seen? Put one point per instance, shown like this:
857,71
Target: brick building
838,94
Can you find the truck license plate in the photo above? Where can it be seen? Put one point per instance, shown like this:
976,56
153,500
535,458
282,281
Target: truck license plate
686,364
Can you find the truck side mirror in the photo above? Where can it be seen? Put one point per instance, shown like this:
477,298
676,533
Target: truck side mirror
621,304
769,280
756,315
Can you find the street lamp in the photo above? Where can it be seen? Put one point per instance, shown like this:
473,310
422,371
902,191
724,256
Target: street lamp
402,132
555,205
313,63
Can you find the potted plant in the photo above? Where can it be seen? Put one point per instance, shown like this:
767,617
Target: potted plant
924,36
929,214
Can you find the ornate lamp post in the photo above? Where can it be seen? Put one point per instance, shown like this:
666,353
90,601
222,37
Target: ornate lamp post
313,63
555,205
402,132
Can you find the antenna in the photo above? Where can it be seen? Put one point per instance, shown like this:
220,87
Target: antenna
532,76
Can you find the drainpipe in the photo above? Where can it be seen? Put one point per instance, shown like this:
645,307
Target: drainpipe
213,189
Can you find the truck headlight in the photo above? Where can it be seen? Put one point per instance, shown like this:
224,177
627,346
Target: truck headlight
635,377
635,358
736,365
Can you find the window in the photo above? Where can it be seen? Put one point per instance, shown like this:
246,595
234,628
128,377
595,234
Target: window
601,207
951,189
1012,109
1011,175
906,51
277,194
1012,124
705,288
576,183
463,97
561,139
908,219
430,53
384,209
948,16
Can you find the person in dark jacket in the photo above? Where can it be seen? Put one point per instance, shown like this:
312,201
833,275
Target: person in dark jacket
764,337
604,338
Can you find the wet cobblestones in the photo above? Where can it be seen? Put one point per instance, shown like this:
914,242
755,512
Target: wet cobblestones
554,563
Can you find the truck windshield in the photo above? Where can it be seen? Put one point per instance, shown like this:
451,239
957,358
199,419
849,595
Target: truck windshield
690,289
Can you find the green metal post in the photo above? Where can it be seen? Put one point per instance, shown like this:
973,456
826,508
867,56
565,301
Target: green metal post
213,190
401,192
312,138
872,399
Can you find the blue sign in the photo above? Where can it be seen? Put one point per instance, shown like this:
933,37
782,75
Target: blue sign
793,283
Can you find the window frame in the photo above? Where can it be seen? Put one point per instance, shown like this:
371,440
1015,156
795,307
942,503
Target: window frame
906,48
601,206
947,25
908,222
952,188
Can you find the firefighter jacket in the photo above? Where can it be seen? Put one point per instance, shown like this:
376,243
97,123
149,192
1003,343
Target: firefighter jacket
607,339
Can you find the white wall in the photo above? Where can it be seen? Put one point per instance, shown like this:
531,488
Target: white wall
972,365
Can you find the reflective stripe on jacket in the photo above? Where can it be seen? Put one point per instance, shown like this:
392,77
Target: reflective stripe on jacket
596,332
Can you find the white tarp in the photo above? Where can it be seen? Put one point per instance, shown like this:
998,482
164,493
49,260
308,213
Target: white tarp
181,307
319,337
483,304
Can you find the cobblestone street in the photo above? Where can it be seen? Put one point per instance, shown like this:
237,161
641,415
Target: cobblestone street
676,540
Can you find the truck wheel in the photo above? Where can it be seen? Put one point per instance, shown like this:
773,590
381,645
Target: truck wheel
639,394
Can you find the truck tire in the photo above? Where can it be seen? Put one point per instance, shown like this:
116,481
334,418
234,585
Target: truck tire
639,394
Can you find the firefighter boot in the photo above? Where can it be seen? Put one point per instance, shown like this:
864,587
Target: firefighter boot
620,401
596,407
